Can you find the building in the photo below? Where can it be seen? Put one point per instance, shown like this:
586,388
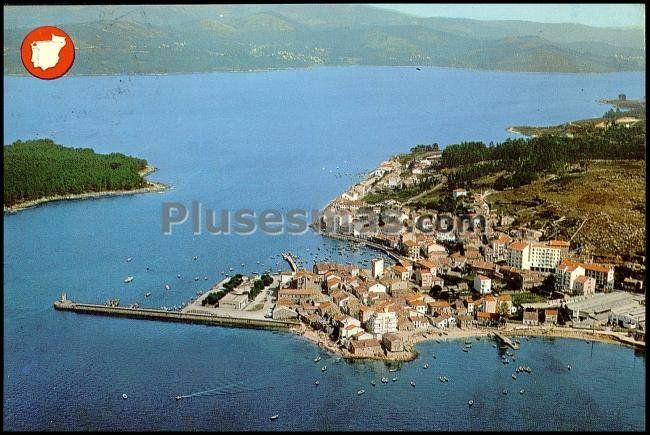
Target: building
550,316
567,271
383,320
531,318
233,301
482,284
457,193
411,249
489,304
392,342
377,267
424,278
584,285
370,347
538,256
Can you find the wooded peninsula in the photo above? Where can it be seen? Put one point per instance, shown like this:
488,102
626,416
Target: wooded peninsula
37,171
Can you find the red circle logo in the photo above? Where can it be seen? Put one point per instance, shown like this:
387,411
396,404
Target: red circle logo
47,52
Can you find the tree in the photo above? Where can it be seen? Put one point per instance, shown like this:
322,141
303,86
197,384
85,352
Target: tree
503,309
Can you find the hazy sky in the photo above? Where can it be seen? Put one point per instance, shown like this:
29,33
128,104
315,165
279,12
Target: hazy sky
601,15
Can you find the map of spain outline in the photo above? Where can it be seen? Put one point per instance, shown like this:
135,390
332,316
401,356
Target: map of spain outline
45,54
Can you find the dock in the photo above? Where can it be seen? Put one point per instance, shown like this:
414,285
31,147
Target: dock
506,340
171,316
289,259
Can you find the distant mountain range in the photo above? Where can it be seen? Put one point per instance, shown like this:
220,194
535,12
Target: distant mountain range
127,39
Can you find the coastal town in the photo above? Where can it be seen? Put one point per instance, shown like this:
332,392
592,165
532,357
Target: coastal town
481,276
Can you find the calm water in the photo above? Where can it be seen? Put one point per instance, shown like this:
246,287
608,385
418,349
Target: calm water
265,140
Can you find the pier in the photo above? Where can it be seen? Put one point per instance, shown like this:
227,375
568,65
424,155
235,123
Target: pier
365,242
289,259
506,340
171,316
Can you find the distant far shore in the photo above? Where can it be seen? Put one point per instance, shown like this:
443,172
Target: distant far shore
151,186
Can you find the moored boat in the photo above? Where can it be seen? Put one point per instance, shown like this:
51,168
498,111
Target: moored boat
274,417
124,396
128,279
471,402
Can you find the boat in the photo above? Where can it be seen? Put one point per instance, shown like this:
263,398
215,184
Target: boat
521,391
465,350
434,357
147,294
446,378
205,278
469,346
128,260
372,383
178,397
316,383
323,369
568,367
471,402
392,370
195,258
317,359
468,342
167,286
514,376
360,392
441,379
394,379
494,346
384,380
505,392
196,278
124,396
128,279
412,384
426,366
274,417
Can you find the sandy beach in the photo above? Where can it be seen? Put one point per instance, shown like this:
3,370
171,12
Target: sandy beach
151,186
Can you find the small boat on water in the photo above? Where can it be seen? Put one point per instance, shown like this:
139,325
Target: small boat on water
521,391
441,379
372,383
568,367
392,370
465,350
426,366
434,357
205,278
318,358
323,369
394,379
505,392
494,346
178,397
360,392
128,260
196,278
445,378
167,286
146,295
412,384
317,383
470,403
128,279
124,396
468,342
384,380
514,376
178,276
274,417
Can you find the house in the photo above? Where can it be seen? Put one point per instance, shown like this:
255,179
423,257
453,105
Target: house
550,316
441,321
392,342
383,320
401,272
457,193
284,313
377,288
482,284
418,305
505,305
464,321
365,347
531,317
299,295
487,319
424,278
439,307
584,285
418,320
459,308
233,301
365,313
489,304
411,249
433,250
377,267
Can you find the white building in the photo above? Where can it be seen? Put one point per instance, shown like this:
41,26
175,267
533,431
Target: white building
482,284
377,268
382,321
538,256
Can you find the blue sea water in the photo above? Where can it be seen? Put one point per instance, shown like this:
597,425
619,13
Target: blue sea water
257,141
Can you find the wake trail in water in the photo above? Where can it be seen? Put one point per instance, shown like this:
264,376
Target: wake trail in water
224,390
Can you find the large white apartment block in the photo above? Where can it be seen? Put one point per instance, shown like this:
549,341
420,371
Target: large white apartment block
384,320
538,256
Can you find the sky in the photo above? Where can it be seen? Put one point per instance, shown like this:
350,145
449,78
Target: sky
599,15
